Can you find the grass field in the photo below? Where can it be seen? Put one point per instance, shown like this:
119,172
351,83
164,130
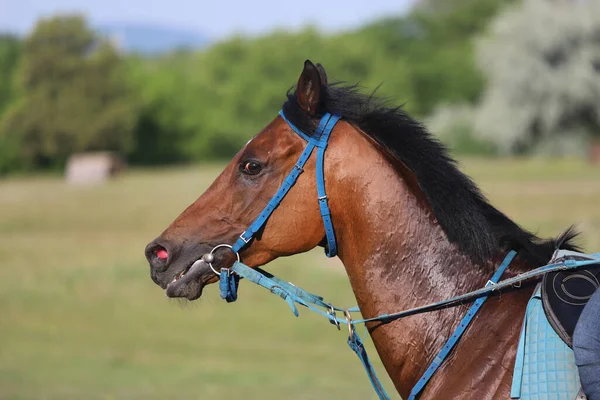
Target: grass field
81,319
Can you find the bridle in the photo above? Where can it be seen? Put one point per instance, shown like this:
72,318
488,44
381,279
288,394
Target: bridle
319,140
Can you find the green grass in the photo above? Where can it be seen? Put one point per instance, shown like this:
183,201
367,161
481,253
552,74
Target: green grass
81,319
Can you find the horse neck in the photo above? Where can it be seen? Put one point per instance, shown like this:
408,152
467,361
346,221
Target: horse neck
397,257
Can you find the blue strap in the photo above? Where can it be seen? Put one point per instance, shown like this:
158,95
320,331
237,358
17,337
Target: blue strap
326,125
228,285
331,248
261,280
296,129
357,346
322,134
290,293
287,184
439,359
301,293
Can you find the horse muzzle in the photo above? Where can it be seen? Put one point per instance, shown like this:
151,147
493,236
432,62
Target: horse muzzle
183,271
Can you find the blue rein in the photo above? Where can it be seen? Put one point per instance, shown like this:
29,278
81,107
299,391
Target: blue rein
295,295
229,277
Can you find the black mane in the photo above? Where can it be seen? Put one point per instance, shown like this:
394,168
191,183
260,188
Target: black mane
478,229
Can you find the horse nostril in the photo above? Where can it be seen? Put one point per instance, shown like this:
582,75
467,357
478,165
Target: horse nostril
158,256
161,253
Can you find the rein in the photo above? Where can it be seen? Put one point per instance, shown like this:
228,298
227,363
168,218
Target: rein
229,277
295,295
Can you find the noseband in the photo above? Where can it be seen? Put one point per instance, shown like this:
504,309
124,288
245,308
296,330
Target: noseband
319,140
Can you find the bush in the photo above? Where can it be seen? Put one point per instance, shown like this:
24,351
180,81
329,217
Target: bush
542,64
73,96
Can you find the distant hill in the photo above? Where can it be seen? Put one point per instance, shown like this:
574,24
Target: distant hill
152,39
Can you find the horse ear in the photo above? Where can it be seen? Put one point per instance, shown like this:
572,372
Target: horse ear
309,88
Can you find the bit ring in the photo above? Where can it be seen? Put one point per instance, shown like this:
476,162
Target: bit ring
210,256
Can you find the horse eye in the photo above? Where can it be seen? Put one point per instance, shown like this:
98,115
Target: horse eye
251,167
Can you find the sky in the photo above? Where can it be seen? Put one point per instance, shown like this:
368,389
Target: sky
216,18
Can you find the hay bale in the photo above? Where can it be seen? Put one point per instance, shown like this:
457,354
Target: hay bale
594,152
93,168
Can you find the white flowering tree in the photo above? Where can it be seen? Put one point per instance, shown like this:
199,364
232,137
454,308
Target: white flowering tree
542,64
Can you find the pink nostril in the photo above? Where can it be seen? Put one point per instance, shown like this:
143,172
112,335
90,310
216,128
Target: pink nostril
162,254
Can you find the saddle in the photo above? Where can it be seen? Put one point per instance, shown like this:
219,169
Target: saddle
565,293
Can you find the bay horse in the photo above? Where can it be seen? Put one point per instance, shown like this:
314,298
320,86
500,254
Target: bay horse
410,229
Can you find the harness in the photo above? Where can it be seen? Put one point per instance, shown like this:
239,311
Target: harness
229,277
320,141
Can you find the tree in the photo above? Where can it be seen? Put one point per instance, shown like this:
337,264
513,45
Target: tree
9,59
435,41
542,63
202,105
10,49
73,95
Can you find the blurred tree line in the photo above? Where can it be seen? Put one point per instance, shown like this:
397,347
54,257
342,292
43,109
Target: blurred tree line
64,89
71,96
541,62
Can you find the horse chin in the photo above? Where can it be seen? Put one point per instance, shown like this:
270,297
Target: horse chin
190,283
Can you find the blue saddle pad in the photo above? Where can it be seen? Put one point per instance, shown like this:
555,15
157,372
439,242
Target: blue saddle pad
545,366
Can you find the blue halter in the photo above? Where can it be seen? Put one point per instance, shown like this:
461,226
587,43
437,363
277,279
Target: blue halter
319,141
